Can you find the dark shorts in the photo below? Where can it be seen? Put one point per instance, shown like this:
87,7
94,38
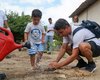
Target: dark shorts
95,49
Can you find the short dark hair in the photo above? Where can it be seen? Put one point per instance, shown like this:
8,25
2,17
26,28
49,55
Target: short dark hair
36,13
49,18
61,24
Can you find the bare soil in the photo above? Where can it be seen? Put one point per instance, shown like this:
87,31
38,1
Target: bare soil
18,68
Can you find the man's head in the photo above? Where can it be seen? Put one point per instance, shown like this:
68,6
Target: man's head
62,27
36,16
50,20
75,19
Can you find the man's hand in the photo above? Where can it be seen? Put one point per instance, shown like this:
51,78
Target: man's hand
49,31
54,65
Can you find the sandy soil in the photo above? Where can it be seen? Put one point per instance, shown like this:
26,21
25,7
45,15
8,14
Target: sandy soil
18,68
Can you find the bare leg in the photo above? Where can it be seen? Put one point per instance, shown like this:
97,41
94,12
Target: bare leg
81,63
32,60
39,56
85,49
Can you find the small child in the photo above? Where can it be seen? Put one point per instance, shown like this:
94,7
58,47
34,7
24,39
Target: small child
35,33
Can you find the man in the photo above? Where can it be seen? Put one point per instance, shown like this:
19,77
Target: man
49,35
75,21
3,19
80,46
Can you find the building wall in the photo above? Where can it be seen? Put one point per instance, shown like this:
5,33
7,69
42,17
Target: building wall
92,13
83,16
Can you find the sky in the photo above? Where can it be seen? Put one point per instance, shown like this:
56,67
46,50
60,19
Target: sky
50,8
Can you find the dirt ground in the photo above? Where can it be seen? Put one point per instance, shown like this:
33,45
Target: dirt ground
18,68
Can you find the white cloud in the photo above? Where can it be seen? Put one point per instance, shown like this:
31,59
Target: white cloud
28,10
8,7
50,1
36,2
61,10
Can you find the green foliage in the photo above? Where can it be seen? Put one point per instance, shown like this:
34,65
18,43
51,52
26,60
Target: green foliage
45,27
58,39
57,42
17,24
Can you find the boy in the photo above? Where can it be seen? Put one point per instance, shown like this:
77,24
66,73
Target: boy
35,33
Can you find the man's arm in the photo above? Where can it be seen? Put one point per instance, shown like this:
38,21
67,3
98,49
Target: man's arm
50,30
67,61
61,52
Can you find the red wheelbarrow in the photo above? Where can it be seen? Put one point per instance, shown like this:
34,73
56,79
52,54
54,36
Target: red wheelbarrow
7,43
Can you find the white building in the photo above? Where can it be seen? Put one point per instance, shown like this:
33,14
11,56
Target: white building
88,10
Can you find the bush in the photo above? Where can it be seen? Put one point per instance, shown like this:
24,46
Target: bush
17,24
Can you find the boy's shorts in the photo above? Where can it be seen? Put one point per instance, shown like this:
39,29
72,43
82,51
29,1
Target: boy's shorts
35,49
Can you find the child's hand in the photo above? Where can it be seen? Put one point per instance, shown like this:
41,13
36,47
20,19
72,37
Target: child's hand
27,44
43,41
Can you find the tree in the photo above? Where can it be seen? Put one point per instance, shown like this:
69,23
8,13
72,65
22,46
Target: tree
17,24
